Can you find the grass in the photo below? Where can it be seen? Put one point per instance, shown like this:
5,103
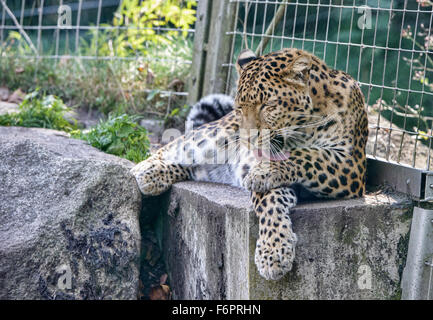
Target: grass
141,85
134,86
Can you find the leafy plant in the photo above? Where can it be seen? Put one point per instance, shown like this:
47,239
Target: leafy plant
41,111
176,118
135,25
162,57
119,135
16,41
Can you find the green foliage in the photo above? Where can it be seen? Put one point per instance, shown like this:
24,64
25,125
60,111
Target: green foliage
21,46
134,23
134,86
117,86
40,111
177,116
119,135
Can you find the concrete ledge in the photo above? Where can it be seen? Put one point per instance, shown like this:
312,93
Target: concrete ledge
351,249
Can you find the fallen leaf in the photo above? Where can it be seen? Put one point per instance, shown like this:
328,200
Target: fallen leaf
160,292
177,85
17,96
140,290
163,279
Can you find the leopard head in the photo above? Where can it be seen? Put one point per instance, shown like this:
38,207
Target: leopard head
272,95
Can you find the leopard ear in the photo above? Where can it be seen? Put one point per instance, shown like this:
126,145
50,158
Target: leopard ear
244,58
298,71
302,63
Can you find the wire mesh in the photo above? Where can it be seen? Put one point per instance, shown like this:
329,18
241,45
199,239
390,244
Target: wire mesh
386,45
128,61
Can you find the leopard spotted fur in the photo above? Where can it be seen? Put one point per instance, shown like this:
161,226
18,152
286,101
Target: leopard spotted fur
315,122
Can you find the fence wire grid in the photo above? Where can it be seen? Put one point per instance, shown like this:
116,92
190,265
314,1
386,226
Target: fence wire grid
386,45
146,63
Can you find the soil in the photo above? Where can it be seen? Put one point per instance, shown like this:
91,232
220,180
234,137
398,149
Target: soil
394,145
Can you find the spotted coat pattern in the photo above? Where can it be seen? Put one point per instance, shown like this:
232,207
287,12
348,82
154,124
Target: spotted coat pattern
308,119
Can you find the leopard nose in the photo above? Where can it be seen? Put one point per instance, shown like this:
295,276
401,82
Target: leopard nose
250,136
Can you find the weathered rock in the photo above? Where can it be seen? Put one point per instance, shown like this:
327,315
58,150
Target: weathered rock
349,249
7,107
4,94
85,118
68,219
155,127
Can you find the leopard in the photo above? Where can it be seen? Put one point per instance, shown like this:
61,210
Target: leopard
296,123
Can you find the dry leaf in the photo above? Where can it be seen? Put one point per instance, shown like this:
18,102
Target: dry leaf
17,96
163,279
140,289
177,85
160,292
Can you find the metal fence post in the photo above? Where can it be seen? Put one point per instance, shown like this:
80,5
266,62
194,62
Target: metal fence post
417,282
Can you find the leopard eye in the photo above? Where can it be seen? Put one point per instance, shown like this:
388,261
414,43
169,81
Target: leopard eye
266,114
273,103
267,108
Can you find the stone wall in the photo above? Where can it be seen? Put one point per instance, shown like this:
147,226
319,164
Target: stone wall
350,249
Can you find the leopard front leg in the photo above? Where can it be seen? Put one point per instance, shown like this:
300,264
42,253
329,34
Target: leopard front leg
275,248
154,175
327,173
263,176
182,158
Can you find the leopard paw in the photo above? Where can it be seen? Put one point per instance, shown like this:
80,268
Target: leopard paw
274,255
260,178
151,177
